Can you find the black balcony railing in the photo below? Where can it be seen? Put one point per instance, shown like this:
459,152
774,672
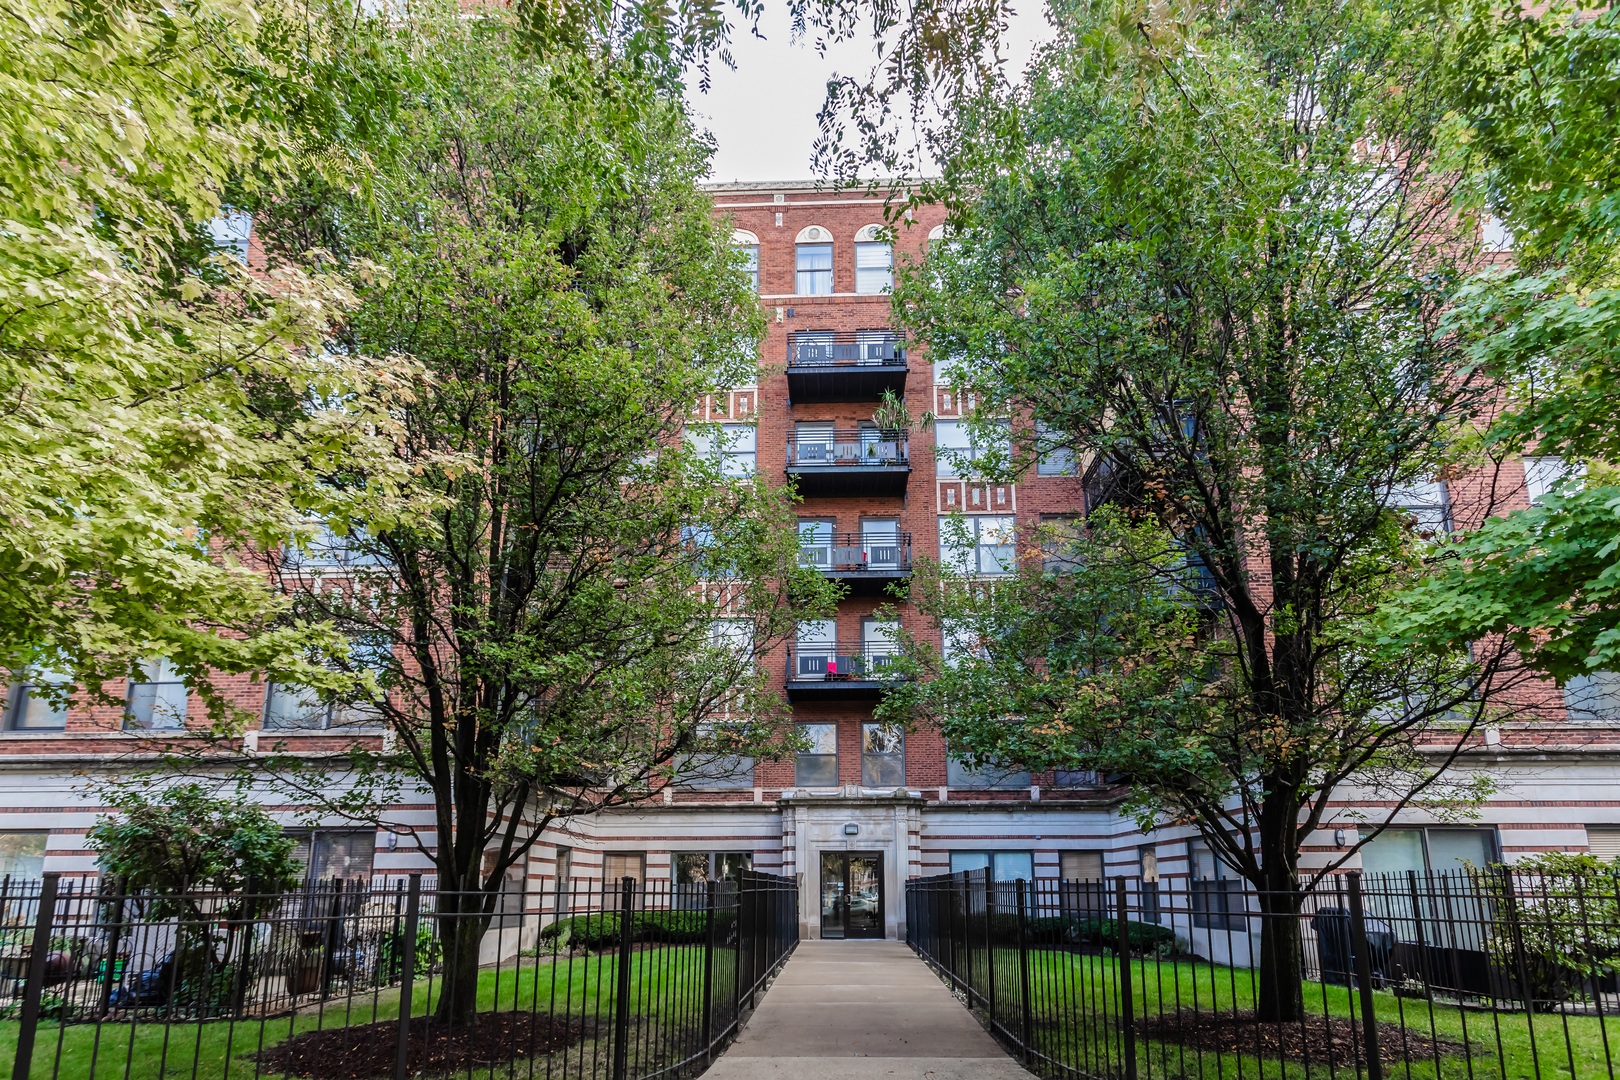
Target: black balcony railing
859,365
856,556
841,669
864,461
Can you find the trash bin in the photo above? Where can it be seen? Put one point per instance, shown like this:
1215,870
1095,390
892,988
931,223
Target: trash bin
1335,952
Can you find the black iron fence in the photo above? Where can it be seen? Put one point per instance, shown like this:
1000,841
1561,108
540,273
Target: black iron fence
612,980
1473,975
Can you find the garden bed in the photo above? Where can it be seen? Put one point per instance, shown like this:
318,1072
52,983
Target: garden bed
1316,1040
360,1053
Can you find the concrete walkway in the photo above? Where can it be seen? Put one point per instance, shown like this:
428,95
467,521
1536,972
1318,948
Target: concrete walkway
862,1010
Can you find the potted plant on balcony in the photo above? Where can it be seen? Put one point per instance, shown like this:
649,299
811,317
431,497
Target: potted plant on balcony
894,422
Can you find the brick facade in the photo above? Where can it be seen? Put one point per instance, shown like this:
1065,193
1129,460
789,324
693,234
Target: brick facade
1554,778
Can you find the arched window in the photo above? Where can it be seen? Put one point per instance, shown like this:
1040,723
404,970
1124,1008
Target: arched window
750,247
874,261
813,267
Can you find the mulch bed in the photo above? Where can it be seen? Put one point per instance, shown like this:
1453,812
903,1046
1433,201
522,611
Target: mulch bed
358,1053
1319,1039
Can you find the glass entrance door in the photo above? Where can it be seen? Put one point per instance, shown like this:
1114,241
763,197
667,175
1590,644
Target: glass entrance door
851,894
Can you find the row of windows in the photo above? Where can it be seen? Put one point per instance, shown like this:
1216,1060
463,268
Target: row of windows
957,448
159,699
323,853
813,261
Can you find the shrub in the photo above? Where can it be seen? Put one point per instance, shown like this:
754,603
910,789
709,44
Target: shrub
592,931
671,927
391,953
1146,939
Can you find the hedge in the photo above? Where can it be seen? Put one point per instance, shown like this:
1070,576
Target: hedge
601,929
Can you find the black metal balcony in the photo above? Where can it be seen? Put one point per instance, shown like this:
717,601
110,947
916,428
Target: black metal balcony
853,462
867,565
840,670
844,365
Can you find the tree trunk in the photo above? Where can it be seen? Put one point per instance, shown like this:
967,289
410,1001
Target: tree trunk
461,923
1282,957
1280,997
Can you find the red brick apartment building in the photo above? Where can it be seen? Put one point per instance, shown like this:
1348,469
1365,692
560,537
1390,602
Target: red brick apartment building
863,809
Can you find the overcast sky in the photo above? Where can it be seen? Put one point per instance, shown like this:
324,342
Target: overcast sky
763,113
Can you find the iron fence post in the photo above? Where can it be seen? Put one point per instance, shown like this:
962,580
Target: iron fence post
621,1006
1510,907
1127,1006
36,976
245,957
1027,1026
990,947
115,940
1362,957
407,977
708,972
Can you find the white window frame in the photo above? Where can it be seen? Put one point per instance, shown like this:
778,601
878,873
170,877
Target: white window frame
979,559
874,267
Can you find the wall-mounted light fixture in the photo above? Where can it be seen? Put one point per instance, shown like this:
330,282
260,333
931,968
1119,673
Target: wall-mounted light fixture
852,829
393,840
1338,838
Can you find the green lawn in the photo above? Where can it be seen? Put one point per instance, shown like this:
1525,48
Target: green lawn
1075,1022
666,993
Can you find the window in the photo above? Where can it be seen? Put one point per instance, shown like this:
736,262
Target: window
701,867
957,447
231,232
330,551
1076,778
1056,457
733,447
877,347
991,774
1080,865
1425,502
157,699
1003,865
702,545
817,764
1603,841
816,544
289,707
751,265
883,759
1147,863
1060,542
1428,850
618,865
30,705
874,261
335,853
1494,235
1542,475
1218,901
22,854
813,270
880,644
959,642
977,545
1081,887
1594,697
565,863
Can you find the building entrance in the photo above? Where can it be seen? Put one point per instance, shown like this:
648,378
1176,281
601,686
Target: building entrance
851,894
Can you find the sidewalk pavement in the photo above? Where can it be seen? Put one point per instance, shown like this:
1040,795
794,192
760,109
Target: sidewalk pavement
862,1010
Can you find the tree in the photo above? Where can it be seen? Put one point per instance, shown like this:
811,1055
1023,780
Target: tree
1540,143
1209,252
138,471
574,620
213,863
